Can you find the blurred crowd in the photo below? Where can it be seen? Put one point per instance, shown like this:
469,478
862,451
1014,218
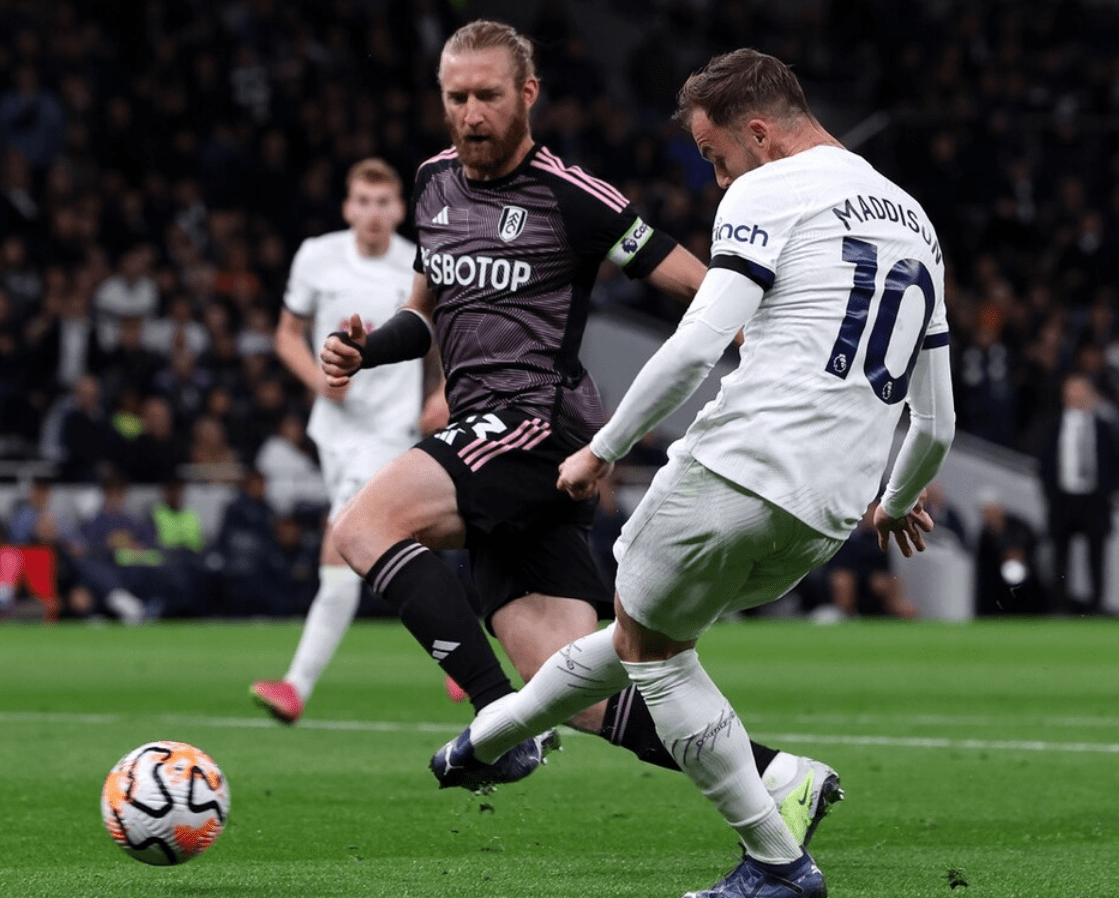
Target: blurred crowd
136,562
161,160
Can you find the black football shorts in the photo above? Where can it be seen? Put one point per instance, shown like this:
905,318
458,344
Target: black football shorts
523,534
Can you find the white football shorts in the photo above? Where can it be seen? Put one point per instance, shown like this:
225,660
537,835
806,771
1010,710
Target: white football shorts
699,546
346,467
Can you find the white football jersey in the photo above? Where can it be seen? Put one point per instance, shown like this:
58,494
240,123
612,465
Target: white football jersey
854,290
330,281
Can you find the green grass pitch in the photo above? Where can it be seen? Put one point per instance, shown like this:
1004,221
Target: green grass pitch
979,760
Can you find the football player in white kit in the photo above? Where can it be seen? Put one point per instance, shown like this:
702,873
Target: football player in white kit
358,429
837,277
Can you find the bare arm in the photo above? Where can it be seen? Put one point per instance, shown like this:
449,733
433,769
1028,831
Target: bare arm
435,413
422,299
294,351
679,274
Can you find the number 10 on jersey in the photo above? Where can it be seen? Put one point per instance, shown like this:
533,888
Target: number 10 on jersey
888,387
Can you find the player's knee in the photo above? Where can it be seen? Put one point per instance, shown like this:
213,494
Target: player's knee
343,534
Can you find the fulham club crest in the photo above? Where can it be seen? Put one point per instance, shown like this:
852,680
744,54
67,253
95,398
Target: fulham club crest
512,222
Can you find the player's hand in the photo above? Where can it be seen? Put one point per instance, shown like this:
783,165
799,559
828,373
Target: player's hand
908,531
580,473
341,353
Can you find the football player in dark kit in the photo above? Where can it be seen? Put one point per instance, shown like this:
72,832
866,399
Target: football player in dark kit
510,240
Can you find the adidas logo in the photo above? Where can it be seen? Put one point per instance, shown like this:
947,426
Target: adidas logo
441,648
444,217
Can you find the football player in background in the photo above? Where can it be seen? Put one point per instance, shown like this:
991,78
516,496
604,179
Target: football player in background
361,426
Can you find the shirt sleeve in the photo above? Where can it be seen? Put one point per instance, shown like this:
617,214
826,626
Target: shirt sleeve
932,424
724,303
299,295
755,220
601,223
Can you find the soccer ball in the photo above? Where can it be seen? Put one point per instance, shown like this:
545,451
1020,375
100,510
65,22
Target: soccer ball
165,802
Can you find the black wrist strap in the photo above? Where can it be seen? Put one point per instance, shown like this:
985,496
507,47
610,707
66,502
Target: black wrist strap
404,336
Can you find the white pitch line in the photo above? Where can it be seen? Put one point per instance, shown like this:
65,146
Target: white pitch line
1109,748
976,720
374,726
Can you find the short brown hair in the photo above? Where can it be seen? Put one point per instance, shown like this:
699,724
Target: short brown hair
374,171
740,83
484,34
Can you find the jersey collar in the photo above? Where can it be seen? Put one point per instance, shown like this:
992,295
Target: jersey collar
498,183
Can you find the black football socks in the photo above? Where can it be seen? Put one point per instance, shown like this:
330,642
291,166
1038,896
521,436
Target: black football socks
432,604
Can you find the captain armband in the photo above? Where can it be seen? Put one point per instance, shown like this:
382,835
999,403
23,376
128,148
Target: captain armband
406,335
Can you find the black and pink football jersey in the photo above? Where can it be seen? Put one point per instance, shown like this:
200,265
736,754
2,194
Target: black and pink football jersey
512,262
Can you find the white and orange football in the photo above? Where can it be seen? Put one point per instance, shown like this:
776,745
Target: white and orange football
165,802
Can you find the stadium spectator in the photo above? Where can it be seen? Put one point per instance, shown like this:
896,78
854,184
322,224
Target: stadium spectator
292,568
124,418
211,457
128,365
62,343
236,279
269,400
157,451
130,292
31,519
119,560
1007,580
19,278
180,538
32,120
14,406
177,327
184,382
255,337
1079,464
985,386
21,211
245,544
38,520
177,527
949,522
87,442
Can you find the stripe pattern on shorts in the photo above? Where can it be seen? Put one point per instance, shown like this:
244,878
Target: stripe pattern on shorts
526,435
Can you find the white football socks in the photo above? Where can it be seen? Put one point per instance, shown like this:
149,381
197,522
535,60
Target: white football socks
577,676
330,615
702,731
